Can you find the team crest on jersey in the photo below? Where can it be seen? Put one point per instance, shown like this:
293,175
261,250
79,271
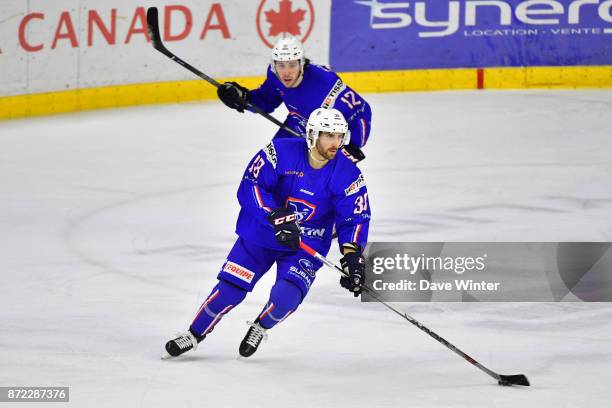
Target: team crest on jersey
330,99
355,186
271,154
302,208
308,267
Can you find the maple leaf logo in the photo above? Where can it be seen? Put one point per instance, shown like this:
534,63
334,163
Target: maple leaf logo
285,20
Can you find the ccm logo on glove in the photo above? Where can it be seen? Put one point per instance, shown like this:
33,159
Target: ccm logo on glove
282,220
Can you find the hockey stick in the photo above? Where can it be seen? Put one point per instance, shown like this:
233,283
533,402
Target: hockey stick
356,155
153,27
505,380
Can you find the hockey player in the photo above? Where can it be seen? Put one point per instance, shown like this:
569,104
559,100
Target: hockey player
292,190
303,87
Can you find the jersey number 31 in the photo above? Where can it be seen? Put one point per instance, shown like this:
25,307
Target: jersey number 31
361,204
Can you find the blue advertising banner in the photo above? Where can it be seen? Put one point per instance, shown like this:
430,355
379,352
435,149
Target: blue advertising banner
371,35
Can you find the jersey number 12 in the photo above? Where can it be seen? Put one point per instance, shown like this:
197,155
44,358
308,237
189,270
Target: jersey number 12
350,99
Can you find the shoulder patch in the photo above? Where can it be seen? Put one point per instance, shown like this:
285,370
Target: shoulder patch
271,154
355,186
336,90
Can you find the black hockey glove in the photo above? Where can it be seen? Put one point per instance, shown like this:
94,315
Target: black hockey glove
233,95
286,229
353,152
353,264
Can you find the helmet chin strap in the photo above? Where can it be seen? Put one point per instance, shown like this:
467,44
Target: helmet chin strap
315,159
319,160
324,160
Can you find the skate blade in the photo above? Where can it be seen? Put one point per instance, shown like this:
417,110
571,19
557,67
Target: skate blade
166,357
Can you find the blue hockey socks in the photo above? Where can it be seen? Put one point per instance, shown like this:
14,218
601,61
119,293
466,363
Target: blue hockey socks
285,297
221,300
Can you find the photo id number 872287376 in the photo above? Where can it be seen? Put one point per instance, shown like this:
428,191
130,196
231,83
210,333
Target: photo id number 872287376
38,394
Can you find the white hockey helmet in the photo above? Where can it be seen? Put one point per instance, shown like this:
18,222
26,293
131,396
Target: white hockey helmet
287,49
325,120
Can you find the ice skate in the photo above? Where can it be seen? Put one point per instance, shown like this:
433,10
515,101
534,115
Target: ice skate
183,343
252,339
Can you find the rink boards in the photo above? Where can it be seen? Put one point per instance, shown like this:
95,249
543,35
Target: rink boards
91,54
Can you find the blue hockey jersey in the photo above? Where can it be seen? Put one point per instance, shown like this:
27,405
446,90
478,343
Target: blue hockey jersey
280,176
320,87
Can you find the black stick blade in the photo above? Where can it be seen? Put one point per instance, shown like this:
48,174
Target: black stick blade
153,27
518,379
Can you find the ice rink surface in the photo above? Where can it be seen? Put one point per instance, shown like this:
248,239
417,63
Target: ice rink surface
113,225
